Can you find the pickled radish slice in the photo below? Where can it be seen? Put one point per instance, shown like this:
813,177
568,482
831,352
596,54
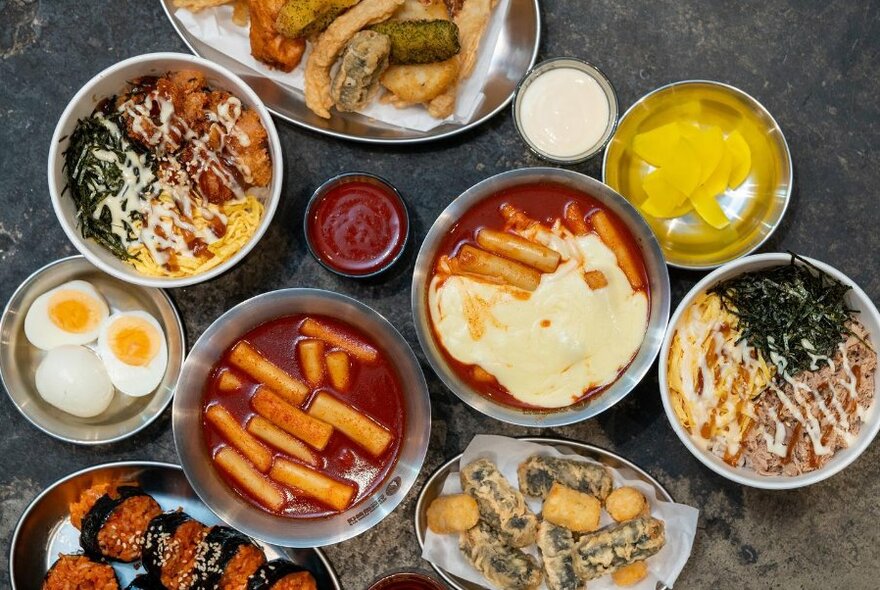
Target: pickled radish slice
664,200
683,170
708,208
741,159
708,142
716,184
656,146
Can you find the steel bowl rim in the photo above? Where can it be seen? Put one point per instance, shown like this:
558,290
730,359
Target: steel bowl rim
558,416
130,275
7,312
115,464
321,192
867,433
785,149
551,441
390,504
583,65
377,140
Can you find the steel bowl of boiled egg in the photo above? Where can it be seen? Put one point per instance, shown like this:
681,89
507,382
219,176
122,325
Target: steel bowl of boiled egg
87,358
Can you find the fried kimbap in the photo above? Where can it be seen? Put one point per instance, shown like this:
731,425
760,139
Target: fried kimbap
113,526
280,574
225,560
171,546
80,571
145,582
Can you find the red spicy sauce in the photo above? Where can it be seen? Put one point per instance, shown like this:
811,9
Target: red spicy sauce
358,227
406,581
543,202
375,390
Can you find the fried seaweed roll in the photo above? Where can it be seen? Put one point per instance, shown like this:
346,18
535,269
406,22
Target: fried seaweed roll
280,574
537,475
225,560
501,505
505,566
170,548
616,546
80,571
113,526
145,582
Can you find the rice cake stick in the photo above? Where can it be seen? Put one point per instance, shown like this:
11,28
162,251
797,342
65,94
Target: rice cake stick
238,437
574,219
311,360
612,238
281,440
360,428
313,483
473,260
339,368
254,482
519,249
359,350
248,359
228,382
291,419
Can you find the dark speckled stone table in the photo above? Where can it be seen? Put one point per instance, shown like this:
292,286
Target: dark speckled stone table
814,66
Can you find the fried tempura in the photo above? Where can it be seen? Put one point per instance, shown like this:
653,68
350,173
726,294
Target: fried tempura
331,42
419,83
197,5
267,44
452,514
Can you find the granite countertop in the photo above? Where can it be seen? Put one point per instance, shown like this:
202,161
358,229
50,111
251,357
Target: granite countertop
813,65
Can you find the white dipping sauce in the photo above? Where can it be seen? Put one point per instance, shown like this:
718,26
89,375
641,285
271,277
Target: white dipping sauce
564,112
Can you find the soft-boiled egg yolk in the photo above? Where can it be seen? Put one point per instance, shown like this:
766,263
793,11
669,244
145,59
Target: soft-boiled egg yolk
71,313
133,340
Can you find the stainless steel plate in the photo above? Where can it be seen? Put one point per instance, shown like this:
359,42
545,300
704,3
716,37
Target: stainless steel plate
514,55
434,486
44,529
19,359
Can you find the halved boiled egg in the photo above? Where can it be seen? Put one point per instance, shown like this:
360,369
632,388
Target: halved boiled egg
73,379
71,313
133,348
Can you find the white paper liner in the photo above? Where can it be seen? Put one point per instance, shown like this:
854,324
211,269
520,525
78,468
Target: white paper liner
214,27
507,454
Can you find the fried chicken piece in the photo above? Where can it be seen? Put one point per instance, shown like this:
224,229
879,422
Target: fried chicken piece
253,153
188,80
267,44
331,42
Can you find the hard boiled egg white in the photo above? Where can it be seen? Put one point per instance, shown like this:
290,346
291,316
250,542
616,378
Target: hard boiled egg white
71,313
133,348
73,379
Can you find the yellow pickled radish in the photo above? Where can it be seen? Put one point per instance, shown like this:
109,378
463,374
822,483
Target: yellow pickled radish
709,209
740,159
708,143
686,111
655,146
683,170
664,200
716,184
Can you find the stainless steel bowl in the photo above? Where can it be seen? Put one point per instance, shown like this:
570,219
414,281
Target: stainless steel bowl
434,487
655,265
19,359
44,529
515,52
195,456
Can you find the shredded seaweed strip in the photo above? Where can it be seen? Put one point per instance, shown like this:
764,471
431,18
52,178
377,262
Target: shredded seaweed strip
92,179
791,313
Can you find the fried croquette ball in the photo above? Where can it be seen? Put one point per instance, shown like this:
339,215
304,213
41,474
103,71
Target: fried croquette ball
630,575
572,509
453,514
626,503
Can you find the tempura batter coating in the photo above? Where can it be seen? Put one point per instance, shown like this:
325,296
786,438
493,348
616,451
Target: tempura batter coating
626,503
452,514
630,575
537,475
331,42
614,547
363,61
501,506
572,509
267,44
557,551
504,566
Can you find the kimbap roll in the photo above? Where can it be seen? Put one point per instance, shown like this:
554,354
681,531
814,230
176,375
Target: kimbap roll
80,571
145,582
171,547
226,560
112,525
280,574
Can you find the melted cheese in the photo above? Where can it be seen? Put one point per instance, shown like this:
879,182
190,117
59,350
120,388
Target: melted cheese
548,347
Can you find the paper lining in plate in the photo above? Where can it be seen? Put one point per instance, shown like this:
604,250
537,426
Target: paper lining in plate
507,453
214,27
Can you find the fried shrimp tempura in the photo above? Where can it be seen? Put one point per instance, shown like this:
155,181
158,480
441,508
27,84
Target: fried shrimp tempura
331,42
268,45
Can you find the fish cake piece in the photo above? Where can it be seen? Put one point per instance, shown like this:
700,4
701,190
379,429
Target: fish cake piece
557,551
626,503
537,475
572,509
612,548
504,566
455,513
501,506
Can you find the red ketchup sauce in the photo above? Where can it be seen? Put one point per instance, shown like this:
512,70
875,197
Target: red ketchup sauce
546,203
358,227
375,390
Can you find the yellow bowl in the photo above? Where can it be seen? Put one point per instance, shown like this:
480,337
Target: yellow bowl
755,208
